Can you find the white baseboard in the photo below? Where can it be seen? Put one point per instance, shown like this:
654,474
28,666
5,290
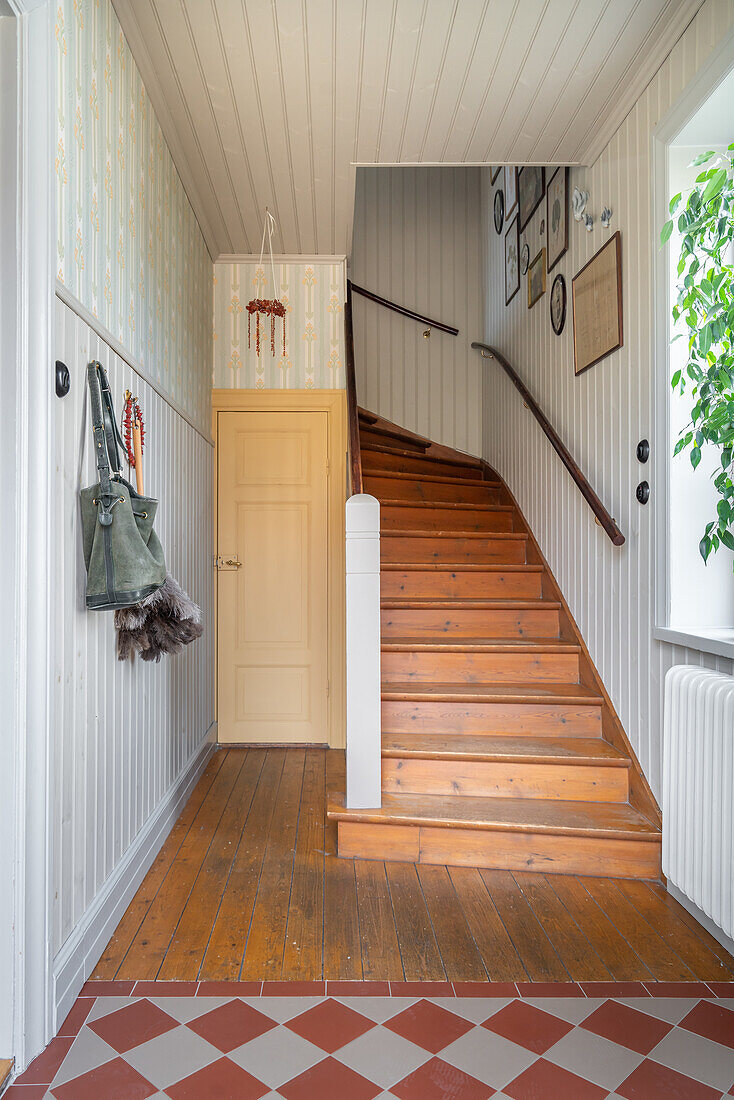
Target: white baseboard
79,955
702,918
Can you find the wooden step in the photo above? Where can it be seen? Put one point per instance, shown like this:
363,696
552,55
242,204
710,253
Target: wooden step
392,458
428,516
482,661
424,579
402,486
470,618
451,549
576,769
539,709
373,433
392,434
516,834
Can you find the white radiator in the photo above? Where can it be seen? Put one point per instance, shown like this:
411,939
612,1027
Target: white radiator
698,789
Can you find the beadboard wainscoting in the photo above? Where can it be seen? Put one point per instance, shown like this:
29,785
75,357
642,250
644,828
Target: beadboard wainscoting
602,413
416,242
130,738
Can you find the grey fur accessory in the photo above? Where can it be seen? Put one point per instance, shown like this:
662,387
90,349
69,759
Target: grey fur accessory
163,622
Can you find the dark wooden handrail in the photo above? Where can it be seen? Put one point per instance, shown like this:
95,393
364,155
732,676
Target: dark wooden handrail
404,310
355,455
602,515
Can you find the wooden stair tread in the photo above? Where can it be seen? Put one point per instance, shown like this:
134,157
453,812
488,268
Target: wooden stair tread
455,533
459,567
489,645
456,603
458,506
473,463
523,692
521,750
395,433
609,820
439,479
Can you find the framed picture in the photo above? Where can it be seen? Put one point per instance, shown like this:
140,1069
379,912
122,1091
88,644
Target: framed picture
536,279
512,261
530,191
494,172
557,216
597,306
558,304
524,259
510,190
499,210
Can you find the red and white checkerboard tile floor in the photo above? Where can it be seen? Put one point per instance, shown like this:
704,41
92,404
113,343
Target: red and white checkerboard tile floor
304,1041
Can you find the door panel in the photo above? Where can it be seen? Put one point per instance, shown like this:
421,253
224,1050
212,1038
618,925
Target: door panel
273,635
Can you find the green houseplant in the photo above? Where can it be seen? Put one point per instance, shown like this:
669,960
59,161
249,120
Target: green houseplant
705,306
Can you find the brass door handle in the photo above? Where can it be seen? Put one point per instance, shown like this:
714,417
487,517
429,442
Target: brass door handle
228,563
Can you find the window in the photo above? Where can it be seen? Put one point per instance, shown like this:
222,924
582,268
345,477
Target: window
696,600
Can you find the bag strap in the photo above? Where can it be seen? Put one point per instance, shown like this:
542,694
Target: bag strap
105,432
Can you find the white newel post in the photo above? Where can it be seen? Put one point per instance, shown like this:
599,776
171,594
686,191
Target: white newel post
364,784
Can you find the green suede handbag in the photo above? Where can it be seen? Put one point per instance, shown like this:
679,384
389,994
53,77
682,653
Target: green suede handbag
122,553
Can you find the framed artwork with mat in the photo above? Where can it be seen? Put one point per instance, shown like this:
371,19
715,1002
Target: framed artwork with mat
597,306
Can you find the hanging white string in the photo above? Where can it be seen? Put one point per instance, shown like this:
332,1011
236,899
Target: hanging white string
269,227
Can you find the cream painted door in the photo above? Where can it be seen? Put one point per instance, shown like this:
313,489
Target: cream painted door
272,608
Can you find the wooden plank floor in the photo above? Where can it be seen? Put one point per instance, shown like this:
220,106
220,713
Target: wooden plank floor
248,886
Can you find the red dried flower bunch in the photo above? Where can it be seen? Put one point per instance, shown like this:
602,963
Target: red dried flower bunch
130,413
273,309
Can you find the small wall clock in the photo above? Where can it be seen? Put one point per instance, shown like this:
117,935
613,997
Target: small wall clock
499,210
558,304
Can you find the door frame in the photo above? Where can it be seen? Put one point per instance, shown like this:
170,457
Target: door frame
27,212
334,404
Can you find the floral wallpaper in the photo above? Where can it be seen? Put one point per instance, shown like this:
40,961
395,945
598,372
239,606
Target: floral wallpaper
313,295
129,246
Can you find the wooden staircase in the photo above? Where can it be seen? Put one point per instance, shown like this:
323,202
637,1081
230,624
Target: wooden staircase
500,746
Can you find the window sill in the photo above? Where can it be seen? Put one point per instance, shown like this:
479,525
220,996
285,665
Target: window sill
718,642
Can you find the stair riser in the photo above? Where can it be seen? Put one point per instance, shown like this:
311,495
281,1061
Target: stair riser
381,439
378,460
479,668
501,850
395,518
457,551
574,783
388,488
472,623
513,719
460,585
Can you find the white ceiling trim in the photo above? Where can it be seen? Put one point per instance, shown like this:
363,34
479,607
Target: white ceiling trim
280,258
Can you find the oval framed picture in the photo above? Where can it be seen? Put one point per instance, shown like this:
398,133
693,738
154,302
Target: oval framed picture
524,259
499,210
558,304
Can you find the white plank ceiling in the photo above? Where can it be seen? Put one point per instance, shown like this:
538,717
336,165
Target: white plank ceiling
275,102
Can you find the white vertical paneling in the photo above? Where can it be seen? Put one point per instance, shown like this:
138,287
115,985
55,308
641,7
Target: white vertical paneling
125,731
416,242
601,415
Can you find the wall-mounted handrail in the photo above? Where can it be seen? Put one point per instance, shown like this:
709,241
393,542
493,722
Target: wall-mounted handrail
603,517
355,454
403,310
